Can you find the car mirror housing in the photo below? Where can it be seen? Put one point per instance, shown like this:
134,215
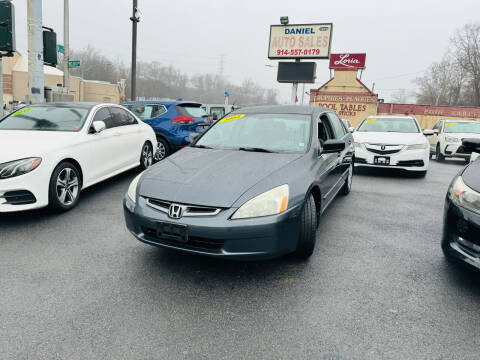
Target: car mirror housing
351,129
435,131
99,126
428,132
471,144
333,146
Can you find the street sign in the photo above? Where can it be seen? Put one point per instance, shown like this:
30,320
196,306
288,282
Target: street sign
60,48
227,94
74,63
306,41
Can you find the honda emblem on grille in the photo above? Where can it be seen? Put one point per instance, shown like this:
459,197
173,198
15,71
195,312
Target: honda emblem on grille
175,211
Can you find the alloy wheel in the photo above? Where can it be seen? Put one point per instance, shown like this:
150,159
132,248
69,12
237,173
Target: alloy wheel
147,156
161,151
67,186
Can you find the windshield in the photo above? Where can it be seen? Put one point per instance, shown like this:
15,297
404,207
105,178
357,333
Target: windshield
400,125
45,118
274,132
470,127
193,111
145,112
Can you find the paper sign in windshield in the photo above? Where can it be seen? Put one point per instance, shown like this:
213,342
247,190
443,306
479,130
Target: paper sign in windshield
232,118
449,124
370,121
22,111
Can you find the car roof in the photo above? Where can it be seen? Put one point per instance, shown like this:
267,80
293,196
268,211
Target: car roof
283,109
460,120
161,102
391,116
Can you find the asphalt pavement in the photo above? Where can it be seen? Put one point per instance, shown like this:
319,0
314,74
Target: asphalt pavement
79,286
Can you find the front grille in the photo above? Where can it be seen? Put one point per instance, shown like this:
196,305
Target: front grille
411,163
194,242
461,150
19,197
383,149
190,210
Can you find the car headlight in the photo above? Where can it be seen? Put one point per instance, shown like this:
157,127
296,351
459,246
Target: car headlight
464,196
417,146
452,139
132,189
271,202
18,167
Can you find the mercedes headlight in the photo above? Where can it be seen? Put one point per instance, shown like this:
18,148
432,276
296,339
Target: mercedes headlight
417,146
272,202
132,189
452,139
18,167
463,196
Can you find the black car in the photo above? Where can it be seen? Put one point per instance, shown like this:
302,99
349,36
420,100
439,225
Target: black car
461,223
252,186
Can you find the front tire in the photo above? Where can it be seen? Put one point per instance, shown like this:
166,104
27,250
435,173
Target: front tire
64,187
308,230
438,154
146,157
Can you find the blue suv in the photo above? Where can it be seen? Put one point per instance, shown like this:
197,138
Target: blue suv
172,121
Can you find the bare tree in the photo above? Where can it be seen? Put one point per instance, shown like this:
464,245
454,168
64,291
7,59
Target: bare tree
402,96
466,43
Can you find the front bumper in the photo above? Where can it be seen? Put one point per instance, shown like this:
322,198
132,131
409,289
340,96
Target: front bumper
455,150
217,236
31,190
411,160
461,234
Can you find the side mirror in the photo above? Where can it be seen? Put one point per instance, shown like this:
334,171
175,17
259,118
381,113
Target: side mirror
428,132
471,145
333,146
435,131
193,137
351,129
99,126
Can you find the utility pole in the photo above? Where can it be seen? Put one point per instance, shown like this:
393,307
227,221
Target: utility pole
66,45
35,51
135,19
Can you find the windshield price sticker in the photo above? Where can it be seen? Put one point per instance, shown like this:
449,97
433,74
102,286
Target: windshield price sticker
370,121
22,111
232,118
449,124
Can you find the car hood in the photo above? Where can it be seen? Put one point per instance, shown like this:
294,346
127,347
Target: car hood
391,138
20,144
471,175
463,135
210,177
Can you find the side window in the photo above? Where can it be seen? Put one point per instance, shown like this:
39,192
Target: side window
121,117
103,115
337,125
325,131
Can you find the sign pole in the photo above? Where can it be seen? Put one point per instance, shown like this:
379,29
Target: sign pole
295,88
35,52
66,47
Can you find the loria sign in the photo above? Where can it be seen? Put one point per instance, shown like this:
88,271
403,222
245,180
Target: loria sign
311,41
347,61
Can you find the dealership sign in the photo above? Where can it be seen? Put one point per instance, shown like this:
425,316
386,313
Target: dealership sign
311,41
347,61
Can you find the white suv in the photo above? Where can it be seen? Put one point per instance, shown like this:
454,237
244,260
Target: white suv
446,140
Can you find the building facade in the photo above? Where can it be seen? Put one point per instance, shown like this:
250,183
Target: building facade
15,83
354,101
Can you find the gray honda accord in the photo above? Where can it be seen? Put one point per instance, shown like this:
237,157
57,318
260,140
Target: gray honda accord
253,186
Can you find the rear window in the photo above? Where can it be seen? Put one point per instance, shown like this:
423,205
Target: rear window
192,111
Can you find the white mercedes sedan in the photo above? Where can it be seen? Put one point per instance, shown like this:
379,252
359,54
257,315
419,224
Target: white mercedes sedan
392,142
50,152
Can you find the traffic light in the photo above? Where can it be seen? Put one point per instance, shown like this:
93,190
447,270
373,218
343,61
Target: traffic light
7,27
50,47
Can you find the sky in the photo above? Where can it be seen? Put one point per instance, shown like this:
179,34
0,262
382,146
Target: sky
401,37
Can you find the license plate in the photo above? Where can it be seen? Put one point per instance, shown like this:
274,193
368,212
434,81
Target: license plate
172,231
381,160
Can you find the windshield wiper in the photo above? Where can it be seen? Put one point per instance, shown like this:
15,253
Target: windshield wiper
255,149
202,146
